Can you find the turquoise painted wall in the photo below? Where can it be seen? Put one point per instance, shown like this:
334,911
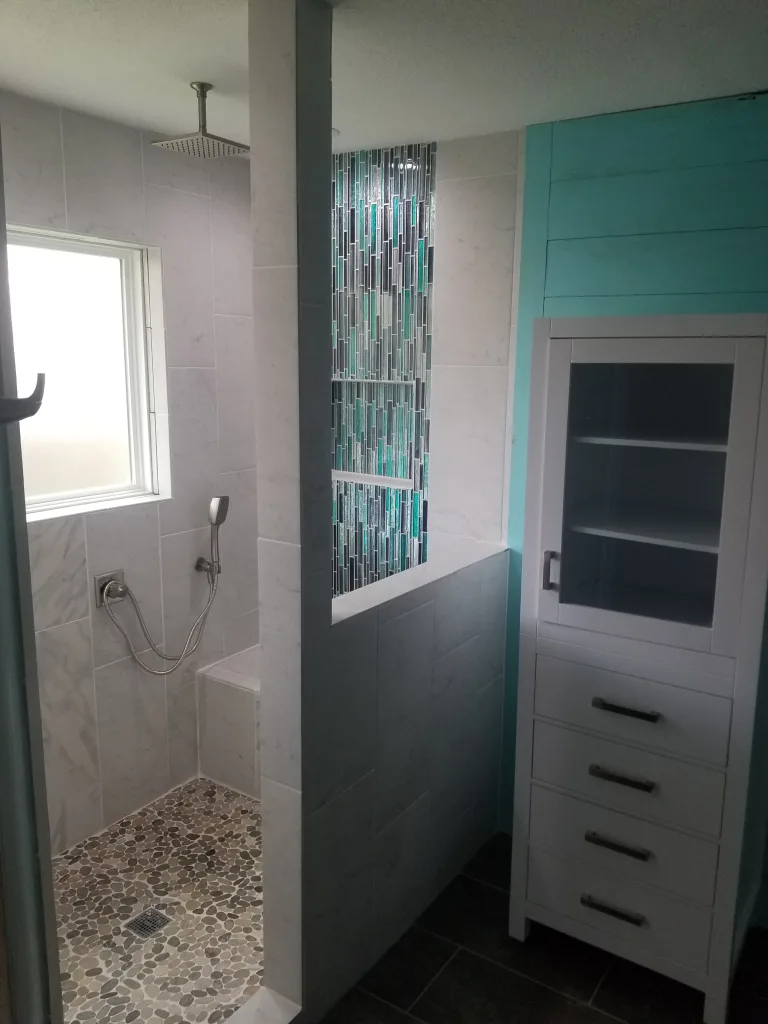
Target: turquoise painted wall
645,212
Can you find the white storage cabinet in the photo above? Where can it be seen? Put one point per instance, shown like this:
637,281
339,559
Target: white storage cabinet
644,585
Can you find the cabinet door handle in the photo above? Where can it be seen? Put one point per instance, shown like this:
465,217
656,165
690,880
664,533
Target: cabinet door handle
636,852
644,785
629,916
546,582
619,709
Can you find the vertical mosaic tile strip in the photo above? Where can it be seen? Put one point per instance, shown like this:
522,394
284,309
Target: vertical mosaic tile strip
377,531
383,258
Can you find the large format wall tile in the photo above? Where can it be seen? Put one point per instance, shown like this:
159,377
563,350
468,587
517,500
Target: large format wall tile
281,857
339,873
183,761
133,737
341,745
128,539
194,449
482,156
280,624
404,870
467,459
404,695
68,707
59,578
238,583
185,592
181,224
228,734
240,633
174,170
235,376
105,190
33,165
474,253
231,236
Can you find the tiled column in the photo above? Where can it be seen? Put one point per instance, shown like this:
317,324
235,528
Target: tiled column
290,51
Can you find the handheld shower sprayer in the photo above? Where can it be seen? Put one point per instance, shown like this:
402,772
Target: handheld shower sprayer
114,591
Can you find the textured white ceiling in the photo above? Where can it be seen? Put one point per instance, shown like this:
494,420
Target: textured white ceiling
403,69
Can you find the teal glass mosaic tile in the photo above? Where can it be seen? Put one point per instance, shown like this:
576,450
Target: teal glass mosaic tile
382,261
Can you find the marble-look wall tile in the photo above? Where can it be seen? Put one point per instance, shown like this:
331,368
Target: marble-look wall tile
235,383
174,170
238,583
228,734
405,647
182,731
58,566
185,591
194,449
282,866
341,707
457,608
68,707
404,869
481,156
467,451
339,874
181,224
128,539
231,236
280,625
105,190
133,737
474,254
277,402
240,633
33,165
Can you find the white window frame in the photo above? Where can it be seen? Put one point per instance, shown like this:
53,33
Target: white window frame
144,353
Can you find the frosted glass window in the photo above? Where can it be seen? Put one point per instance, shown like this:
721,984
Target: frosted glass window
77,316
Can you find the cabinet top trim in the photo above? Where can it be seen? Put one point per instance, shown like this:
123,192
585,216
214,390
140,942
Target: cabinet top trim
733,325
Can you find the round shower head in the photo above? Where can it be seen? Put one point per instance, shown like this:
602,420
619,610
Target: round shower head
217,513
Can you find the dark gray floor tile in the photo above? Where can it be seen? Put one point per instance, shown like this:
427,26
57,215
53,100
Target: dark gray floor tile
752,973
475,915
408,967
358,1008
493,863
474,991
746,1008
639,996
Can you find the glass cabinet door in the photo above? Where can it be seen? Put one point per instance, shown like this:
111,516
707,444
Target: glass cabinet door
648,487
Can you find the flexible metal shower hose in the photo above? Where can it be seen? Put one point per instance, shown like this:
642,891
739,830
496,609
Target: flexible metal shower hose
124,589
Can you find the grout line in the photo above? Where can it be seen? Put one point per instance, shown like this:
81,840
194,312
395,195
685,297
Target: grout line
63,169
172,188
496,963
463,874
93,670
600,982
431,982
372,995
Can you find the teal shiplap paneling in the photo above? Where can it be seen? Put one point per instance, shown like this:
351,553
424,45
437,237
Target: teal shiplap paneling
729,131
699,262
690,199
609,267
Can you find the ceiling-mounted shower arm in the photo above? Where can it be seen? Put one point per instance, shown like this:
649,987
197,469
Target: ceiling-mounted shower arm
202,89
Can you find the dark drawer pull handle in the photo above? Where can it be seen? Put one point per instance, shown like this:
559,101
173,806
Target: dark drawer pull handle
636,852
621,780
629,916
618,709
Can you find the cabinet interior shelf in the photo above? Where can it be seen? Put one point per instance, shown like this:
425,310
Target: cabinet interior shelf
648,525
681,444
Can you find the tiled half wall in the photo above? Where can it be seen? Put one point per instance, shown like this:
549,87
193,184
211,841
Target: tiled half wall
114,737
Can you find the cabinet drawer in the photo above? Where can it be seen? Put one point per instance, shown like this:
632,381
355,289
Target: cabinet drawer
644,852
647,918
652,786
637,710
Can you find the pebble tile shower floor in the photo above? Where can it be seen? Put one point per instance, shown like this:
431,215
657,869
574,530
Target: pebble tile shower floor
194,855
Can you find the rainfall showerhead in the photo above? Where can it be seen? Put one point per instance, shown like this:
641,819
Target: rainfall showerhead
201,143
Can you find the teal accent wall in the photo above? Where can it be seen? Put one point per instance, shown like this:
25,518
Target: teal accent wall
644,212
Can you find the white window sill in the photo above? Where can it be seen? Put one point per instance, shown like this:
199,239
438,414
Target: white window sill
447,554
97,505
